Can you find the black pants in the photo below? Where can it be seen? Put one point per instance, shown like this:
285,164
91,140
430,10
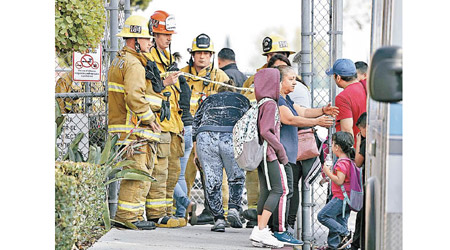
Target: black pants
270,200
274,220
295,199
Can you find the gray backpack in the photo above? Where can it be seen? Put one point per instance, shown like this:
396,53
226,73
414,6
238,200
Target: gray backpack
248,153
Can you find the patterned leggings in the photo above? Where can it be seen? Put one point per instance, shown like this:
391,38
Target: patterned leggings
215,152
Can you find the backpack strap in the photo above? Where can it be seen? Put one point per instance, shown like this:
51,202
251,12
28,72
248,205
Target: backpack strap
346,199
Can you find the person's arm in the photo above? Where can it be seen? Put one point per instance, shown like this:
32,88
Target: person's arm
288,118
337,178
315,112
347,125
359,158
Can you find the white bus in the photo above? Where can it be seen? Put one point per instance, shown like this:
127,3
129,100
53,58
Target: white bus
384,211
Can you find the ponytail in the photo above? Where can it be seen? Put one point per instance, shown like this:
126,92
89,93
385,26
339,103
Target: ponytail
345,141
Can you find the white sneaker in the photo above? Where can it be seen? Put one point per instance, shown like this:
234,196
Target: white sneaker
265,237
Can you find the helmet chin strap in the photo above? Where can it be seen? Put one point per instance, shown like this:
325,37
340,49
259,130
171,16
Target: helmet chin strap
137,46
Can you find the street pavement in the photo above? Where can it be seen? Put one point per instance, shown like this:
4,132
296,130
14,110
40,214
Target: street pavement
185,238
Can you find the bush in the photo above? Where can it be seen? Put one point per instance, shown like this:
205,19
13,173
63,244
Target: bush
80,197
79,25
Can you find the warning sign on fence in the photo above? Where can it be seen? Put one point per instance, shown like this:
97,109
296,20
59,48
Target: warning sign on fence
87,67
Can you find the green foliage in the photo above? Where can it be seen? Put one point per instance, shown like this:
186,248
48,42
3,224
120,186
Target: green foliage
79,25
79,203
140,4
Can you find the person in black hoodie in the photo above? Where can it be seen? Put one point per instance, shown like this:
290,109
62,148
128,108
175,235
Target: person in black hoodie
212,133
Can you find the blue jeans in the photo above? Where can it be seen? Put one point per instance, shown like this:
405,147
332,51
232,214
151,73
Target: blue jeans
180,192
215,152
331,217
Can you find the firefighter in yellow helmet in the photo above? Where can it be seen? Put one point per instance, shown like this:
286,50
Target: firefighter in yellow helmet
159,199
271,45
130,112
202,51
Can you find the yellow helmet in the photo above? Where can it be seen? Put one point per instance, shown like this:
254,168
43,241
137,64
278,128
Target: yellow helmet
275,43
135,26
202,43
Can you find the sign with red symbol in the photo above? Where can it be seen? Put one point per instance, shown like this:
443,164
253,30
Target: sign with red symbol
87,67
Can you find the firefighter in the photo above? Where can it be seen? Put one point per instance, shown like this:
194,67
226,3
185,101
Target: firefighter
159,200
271,45
65,84
130,112
202,51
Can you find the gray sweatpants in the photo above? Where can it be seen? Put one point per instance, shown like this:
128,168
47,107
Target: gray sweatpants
215,152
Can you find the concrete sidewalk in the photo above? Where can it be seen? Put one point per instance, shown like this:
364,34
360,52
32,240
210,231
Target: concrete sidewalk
189,237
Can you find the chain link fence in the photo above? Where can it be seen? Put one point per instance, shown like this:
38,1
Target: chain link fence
84,103
323,91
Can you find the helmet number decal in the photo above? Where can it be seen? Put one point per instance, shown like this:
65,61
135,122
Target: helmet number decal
282,44
170,23
135,29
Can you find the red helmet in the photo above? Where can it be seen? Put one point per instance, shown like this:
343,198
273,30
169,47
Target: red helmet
162,22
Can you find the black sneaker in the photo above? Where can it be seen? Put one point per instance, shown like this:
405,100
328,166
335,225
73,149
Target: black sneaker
219,226
234,219
251,224
250,214
345,241
143,225
204,218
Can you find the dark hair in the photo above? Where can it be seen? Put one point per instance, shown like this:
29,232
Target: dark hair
345,140
227,54
348,78
225,88
361,67
277,57
362,120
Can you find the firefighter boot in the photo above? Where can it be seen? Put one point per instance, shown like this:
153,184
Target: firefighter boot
167,221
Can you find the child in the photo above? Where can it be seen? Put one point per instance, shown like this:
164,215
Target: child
331,215
358,237
272,180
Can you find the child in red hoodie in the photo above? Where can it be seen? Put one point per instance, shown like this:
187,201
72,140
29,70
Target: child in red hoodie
272,176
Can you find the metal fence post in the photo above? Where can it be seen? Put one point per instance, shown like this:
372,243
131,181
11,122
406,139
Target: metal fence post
114,27
306,74
336,32
127,9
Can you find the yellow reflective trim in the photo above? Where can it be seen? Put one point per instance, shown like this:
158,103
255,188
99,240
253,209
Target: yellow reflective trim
128,206
154,206
146,115
127,128
68,105
116,87
153,100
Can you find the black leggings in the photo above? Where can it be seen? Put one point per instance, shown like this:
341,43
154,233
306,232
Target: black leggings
269,200
294,201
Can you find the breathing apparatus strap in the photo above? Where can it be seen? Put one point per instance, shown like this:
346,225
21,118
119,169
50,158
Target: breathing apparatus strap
137,46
